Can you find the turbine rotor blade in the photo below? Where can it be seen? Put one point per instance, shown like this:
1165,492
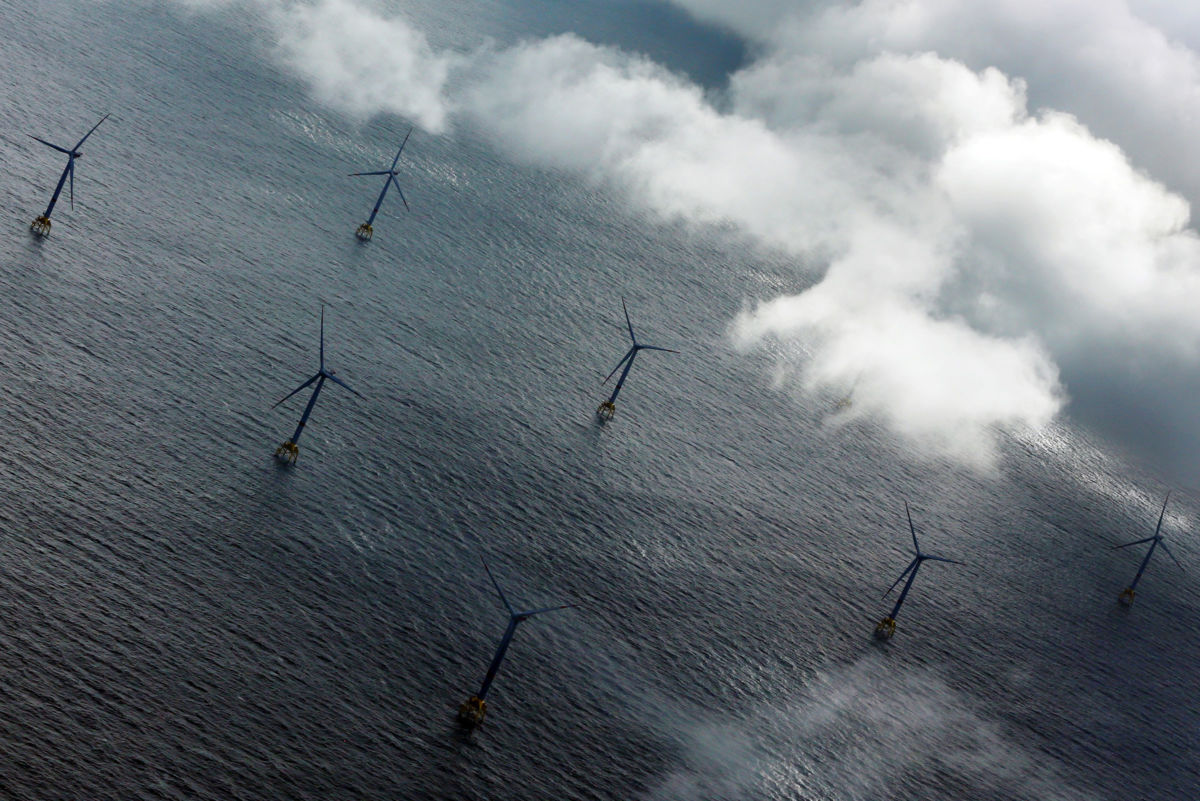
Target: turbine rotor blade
624,358
546,609
627,322
89,133
322,337
1161,514
49,144
342,383
377,172
297,389
401,191
496,584
71,169
1135,542
911,566
912,528
1168,550
942,559
396,160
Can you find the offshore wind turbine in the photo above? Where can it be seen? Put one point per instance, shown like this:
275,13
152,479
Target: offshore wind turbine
1128,593
365,231
41,225
289,450
608,408
887,627
472,711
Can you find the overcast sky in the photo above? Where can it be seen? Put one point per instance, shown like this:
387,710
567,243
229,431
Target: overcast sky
992,201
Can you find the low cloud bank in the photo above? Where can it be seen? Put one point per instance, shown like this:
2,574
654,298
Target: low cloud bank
973,262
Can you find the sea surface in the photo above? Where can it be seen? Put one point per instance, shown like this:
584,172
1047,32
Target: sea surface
182,618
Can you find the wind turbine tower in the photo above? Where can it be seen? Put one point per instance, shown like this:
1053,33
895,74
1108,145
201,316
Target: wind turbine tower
290,450
365,231
472,711
608,408
887,627
41,225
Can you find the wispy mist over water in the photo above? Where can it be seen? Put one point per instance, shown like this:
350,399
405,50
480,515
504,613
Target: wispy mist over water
866,731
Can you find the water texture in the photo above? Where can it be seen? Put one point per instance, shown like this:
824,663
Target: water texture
182,618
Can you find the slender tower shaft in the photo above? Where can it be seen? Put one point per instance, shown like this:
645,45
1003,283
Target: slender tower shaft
621,379
62,179
904,592
494,668
379,202
1142,568
312,401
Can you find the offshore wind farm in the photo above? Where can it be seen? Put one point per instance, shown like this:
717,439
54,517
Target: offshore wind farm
186,617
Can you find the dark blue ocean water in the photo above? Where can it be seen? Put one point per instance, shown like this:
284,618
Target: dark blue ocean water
181,618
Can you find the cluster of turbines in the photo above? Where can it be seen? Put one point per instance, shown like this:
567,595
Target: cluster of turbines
41,224
473,711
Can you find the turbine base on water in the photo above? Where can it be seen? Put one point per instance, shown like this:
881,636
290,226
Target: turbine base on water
41,226
472,711
606,410
1126,597
364,232
288,452
885,629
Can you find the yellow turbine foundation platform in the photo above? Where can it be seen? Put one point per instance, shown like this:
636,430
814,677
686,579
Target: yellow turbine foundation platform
288,452
472,711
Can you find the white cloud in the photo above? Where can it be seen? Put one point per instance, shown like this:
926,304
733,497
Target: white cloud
565,103
361,62
920,101
355,59
1103,61
931,378
1087,247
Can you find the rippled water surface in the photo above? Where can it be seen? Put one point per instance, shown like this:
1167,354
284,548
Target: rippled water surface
181,618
